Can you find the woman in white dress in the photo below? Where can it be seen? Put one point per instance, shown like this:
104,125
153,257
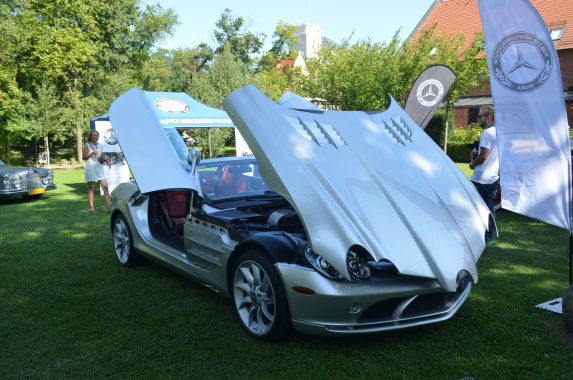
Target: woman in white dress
94,170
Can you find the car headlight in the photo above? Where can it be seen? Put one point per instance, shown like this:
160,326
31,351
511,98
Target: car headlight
48,179
357,266
12,182
321,265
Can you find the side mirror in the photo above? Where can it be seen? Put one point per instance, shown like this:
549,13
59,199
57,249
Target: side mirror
193,158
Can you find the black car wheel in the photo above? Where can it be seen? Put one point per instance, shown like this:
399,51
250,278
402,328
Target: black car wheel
259,297
123,243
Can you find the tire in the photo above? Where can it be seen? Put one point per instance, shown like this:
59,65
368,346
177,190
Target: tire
123,243
259,297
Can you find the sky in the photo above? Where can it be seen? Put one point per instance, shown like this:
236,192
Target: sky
338,20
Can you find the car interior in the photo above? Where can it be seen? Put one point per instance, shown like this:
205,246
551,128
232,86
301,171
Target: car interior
221,180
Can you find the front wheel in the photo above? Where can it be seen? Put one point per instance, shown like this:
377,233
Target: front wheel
123,243
259,297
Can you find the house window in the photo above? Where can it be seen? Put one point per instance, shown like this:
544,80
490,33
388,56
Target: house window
556,33
473,115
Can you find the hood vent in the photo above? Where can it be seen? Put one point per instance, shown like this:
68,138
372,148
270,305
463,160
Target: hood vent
397,129
321,134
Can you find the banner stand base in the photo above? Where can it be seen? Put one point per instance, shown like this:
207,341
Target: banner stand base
553,305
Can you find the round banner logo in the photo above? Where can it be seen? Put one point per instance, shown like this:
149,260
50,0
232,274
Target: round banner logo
521,62
430,92
171,105
109,137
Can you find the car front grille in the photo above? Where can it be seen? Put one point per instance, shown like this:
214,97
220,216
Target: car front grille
408,309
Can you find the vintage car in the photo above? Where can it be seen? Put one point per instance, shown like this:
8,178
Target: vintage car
346,222
25,181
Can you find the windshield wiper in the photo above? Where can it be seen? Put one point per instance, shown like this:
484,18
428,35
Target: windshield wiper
268,195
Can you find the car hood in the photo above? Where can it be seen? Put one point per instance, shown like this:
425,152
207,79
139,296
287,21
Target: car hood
375,180
9,169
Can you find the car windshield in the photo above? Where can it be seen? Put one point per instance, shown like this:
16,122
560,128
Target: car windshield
223,180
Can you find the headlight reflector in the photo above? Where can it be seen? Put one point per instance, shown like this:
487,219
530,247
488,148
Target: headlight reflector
357,266
321,265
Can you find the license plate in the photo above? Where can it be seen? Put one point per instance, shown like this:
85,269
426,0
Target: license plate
37,191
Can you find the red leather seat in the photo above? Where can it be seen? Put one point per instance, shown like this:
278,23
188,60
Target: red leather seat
173,206
232,181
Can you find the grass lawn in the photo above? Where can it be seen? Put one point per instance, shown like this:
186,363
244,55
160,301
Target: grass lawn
69,310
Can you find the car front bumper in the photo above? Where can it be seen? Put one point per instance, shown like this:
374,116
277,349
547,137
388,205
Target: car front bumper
25,191
347,308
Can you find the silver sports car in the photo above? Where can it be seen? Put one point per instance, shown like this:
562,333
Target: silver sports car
344,223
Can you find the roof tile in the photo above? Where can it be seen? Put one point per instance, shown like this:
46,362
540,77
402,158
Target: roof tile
454,17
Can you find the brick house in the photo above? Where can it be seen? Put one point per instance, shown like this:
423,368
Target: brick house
454,17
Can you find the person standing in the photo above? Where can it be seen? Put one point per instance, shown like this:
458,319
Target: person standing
94,172
485,164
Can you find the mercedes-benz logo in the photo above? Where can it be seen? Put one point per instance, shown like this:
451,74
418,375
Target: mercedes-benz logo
521,62
172,105
109,137
430,92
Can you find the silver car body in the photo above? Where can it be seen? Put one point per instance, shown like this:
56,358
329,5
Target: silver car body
374,180
355,179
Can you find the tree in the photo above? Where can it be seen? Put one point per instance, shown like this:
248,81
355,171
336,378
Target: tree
284,41
173,70
10,94
72,46
225,75
76,114
41,117
356,77
231,33
157,72
272,82
361,75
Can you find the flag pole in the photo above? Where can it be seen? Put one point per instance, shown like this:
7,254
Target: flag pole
570,259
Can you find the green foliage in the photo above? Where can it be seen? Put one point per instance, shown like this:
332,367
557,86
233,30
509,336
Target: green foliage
172,71
360,75
460,142
231,33
225,75
272,83
64,55
436,127
284,41
466,135
459,151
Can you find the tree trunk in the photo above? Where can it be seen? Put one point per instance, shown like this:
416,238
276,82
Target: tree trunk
447,127
47,149
446,134
6,147
210,149
79,143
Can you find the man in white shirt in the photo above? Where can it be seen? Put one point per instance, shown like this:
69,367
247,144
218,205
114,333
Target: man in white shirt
485,163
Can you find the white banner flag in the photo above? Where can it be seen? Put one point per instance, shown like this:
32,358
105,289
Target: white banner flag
530,115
